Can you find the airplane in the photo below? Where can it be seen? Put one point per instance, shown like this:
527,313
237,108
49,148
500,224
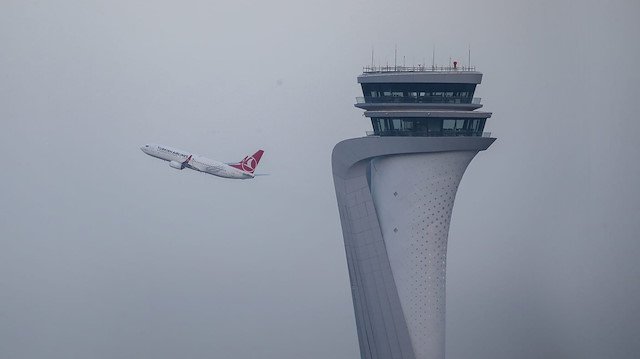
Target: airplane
180,160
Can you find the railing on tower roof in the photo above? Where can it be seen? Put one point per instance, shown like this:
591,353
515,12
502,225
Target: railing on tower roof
419,68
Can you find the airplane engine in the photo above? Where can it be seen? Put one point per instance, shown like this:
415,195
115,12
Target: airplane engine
176,165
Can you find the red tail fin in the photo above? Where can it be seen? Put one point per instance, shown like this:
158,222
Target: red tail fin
249,163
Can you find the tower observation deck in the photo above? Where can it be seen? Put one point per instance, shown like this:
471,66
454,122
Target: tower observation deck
395,189
418,101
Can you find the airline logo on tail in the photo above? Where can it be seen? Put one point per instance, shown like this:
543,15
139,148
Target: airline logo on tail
249,163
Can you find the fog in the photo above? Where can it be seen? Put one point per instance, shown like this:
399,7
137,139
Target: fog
108,253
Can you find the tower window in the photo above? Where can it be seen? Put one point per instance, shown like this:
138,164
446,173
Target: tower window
411,126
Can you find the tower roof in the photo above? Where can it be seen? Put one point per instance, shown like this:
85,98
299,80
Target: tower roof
420,74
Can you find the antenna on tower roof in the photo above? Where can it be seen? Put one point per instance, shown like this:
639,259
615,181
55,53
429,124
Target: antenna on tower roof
395,58
433,58
372,63
469,59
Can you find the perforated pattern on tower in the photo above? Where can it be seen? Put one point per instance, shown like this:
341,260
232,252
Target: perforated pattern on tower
414,196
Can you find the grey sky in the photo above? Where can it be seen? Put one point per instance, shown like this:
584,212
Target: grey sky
106,253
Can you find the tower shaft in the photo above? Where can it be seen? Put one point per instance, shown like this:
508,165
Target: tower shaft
399,309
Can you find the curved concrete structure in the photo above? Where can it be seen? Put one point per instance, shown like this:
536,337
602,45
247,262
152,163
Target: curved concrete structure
395,197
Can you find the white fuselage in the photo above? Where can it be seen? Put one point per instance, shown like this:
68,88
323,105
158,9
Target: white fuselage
180,159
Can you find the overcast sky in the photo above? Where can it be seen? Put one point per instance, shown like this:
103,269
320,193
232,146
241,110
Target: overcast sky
108,253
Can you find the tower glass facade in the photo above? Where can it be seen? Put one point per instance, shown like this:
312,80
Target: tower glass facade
418,92
412,126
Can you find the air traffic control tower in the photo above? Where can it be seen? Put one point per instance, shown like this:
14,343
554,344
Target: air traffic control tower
395,189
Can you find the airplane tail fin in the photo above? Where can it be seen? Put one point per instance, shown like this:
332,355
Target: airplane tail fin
249,163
